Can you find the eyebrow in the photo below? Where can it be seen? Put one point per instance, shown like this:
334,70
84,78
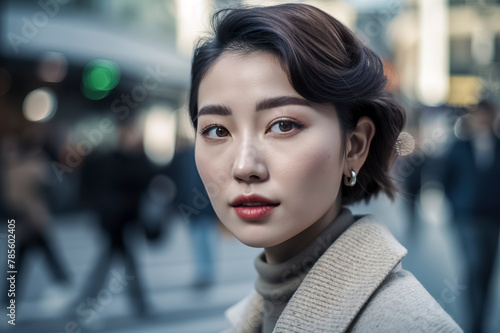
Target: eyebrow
267,103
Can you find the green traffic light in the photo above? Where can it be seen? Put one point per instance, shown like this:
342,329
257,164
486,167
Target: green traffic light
99,78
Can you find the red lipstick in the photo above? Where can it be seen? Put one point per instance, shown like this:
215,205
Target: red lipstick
253,206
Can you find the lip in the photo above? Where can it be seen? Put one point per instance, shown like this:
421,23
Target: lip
253,212
253,198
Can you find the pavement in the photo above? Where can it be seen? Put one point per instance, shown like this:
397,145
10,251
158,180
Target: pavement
166,269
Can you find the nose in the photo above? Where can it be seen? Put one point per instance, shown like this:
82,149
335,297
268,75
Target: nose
249,164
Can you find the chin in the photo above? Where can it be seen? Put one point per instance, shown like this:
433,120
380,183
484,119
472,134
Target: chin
257,241
253,243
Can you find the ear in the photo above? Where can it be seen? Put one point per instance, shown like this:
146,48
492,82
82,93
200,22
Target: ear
358,145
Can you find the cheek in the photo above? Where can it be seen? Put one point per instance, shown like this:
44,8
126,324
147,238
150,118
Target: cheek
317,159
313,173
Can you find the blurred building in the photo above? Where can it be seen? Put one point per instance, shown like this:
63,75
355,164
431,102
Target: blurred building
459,36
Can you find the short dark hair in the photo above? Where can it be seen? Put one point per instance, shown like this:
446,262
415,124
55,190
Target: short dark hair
326,64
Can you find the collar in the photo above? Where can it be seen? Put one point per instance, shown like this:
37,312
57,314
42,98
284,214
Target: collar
337,286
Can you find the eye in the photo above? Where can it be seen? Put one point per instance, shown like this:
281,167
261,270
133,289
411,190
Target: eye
285,126
214,131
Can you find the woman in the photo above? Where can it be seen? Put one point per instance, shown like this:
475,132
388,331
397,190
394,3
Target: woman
293,123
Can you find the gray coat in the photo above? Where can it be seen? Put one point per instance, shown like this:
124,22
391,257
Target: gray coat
357,285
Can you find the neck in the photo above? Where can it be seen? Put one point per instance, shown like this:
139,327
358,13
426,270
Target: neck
293,246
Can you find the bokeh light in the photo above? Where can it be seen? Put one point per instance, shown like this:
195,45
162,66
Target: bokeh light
53,67
159,135
40,105
99,78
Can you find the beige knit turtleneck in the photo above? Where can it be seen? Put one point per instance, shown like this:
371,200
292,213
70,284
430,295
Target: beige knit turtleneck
277,283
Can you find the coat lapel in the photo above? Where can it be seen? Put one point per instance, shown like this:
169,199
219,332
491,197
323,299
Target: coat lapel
246,315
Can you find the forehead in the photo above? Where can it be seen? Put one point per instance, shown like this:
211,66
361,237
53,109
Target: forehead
238,76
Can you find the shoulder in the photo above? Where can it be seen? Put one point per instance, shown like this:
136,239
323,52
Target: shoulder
402,304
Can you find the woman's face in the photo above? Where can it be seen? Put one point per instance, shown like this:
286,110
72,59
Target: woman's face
257,135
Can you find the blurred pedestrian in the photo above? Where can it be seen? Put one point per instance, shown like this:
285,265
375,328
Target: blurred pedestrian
471,182
194,208
113,185
25,180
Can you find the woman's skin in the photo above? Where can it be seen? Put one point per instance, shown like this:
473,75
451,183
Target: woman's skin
250,152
